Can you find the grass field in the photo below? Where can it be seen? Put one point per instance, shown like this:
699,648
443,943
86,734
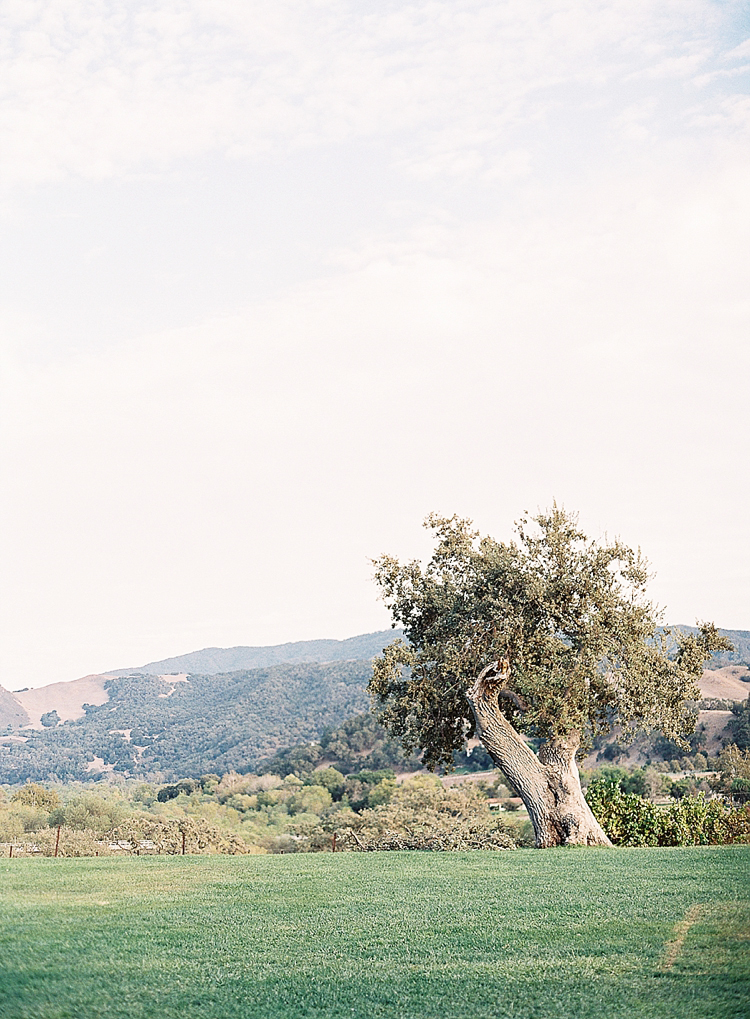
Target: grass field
568,934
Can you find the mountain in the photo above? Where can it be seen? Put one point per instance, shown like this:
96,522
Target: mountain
215,709
67,699
213,660
12,712
166,720
25,707
177,726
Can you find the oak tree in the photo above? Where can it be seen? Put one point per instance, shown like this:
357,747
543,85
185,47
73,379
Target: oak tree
550,636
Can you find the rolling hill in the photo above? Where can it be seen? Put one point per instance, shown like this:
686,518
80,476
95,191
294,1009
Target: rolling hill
214,660
164,728
25,707
166,720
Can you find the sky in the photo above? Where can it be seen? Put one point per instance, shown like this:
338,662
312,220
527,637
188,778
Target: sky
278,280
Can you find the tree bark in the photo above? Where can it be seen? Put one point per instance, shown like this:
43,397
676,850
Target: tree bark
549,784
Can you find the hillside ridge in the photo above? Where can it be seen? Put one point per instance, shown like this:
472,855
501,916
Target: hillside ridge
214,660
67,697
163,720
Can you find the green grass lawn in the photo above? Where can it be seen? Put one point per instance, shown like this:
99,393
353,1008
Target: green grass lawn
562,933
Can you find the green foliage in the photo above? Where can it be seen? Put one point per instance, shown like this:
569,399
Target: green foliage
35,795
476,759
419,814
90,812
733,780
373,777
359,742
185,785
669,749
30,819
648,781
330,779
381,793
29,810
311,799
627,781
687,786
264,812
369,788
145,793
569,614
209,723
50,718
34,808
632,820
739,727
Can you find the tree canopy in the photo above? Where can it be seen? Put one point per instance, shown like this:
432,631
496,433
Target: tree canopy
570,616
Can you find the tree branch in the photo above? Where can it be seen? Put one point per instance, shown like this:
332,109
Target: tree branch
489,679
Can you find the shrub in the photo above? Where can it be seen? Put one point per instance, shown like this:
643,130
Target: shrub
311,799
171,792
627,818
330,779
11,826
733,780
631,820
34,795
687,787
420,814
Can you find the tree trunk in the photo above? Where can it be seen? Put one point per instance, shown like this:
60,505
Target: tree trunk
549,784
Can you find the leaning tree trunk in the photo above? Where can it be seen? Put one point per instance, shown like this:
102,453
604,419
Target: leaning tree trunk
549,784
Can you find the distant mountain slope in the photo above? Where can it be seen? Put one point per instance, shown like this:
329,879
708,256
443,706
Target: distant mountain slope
25,707
12,713
67,699
161,730
726,684
213,660
189,724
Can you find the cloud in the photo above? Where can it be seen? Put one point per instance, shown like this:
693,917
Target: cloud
101,89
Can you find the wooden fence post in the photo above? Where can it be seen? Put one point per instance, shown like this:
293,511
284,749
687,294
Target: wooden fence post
334,843
57,840
10,855
183,843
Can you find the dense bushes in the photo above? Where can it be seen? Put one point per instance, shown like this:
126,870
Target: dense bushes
366,809
733,778
254,813
420,814
358,743
632,820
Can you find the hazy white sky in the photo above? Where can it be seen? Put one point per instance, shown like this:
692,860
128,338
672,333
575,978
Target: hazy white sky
279,279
